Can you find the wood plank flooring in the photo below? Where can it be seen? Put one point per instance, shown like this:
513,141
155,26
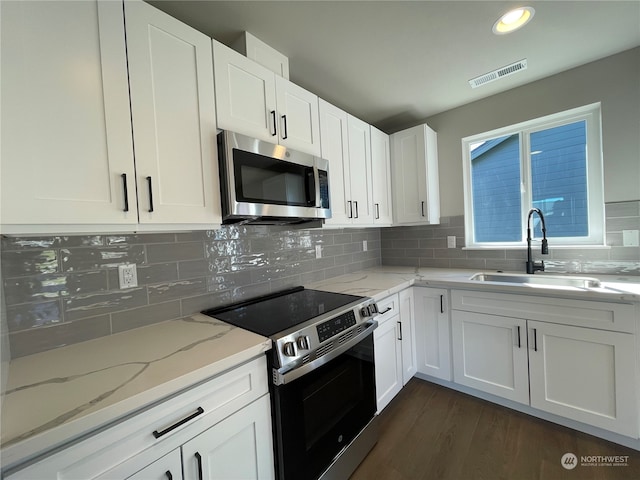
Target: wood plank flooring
435,433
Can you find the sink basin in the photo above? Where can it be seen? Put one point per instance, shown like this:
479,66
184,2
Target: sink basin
551,280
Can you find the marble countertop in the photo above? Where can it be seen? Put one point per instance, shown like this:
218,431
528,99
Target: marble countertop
380,282
55,396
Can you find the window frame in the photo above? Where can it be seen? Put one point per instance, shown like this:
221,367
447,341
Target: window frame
592,115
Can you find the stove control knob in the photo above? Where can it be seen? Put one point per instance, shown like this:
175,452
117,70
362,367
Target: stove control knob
303,342
289,349
364,311
373,308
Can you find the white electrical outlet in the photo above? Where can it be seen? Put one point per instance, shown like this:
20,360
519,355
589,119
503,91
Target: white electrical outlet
318,251
451,241
128,275
364,245
630,238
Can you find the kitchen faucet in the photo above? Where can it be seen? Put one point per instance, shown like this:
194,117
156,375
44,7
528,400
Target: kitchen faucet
532,266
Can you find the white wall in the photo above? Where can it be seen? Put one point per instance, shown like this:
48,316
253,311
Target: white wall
613,81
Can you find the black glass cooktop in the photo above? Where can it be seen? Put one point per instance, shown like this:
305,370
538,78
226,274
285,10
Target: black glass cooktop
280,311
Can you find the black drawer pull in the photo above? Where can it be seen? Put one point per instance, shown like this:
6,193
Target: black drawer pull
126,193
388,309
199,461
158,434
150,194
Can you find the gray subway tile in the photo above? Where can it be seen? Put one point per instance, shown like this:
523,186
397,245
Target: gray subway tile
623,209
625,253
29,262
30,315
80,259
147,315
43,287
192,305
142,238
22,243
433,263
99,303
163,292
623,223
174,252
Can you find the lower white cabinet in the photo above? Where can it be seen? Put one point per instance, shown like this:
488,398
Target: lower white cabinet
523,354
394,344
433,332
225,421
234,448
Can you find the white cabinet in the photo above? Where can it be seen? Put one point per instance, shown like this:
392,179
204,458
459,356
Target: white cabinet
234,448
388,352
67,148
394,344
254,101
227,417
346,144
174,125
557,355
584,374
488,356
66,129
433,332
414,173
381,178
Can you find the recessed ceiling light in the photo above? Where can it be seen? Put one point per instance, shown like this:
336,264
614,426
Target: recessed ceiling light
513,20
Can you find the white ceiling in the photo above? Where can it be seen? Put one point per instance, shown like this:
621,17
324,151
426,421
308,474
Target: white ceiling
395,63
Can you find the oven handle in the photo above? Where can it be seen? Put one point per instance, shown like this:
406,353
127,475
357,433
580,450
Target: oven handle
287,377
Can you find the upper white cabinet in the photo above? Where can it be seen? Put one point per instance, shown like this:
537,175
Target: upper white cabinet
174,124
67,154
381,178
260,52
346,144
414,173
252,100
67,147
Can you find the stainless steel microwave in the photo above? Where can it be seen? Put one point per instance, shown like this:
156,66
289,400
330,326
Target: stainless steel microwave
264,183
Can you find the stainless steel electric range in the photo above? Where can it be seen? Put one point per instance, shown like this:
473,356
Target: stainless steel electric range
323,392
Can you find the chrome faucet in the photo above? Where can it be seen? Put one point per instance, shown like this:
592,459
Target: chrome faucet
532,266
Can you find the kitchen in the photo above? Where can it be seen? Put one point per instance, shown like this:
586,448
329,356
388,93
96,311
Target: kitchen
62,289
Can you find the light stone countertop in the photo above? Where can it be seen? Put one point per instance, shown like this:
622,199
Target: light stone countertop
380,282
58,395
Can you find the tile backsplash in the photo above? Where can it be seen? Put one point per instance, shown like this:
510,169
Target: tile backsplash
60,290
426,246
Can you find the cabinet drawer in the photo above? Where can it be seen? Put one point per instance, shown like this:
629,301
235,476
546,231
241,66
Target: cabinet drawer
388,307
617,317
157,430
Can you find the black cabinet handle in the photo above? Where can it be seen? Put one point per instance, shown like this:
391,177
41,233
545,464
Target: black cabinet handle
284,137
168,475
441,303
350,209
150,194
273,120
377,205
199,462
158,434
356,209
126,193
535,340
519,336
422,208
388,309
400,325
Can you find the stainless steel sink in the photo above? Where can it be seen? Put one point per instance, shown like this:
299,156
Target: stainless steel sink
551,280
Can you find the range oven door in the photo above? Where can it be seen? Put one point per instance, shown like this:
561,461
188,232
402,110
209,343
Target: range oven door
317,415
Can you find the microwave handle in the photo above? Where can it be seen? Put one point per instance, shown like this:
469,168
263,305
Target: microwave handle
316,183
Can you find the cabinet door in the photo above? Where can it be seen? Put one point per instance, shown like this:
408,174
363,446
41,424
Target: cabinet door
298,118
360,171
490,354
168,467
238,447
245,94
174,127
388,360
433,333
66,129
407,335
381,178
415,177
335,149
584,374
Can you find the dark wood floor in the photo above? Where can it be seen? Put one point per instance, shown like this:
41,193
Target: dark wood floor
435,433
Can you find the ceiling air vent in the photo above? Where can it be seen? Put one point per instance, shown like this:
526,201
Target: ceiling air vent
498,74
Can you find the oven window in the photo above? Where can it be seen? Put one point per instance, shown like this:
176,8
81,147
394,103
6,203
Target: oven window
260,179
320,413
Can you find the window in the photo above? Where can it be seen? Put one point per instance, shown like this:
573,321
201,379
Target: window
552,163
